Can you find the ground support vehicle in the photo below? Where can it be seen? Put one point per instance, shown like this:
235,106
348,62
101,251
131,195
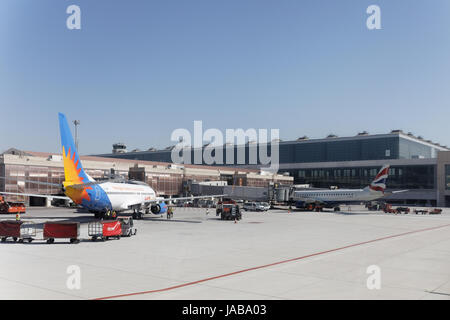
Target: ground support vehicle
373,206
436,211
230,212
421,211
253,206
401,210
221,204
128,228
104,230
11,207
61,230
388,209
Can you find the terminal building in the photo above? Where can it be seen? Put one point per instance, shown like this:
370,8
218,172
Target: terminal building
420,166
19,169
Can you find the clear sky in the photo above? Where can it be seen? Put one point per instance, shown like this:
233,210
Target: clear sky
137,70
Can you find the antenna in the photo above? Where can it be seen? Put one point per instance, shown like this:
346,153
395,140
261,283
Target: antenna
76,123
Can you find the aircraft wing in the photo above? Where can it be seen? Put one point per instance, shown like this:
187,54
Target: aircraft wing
185,198
35,195
57,185
395,192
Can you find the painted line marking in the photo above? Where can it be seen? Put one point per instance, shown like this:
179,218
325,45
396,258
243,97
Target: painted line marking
269,265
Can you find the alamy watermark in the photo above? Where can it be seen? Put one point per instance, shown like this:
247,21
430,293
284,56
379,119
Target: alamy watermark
73,281
74,20
251,147
373,22
373,281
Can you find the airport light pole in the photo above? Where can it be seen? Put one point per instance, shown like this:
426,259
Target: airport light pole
76,123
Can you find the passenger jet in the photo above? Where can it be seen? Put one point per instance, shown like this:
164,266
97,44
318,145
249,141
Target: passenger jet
103,197
333,198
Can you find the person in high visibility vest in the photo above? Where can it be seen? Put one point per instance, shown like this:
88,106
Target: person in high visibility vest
169,213
18,217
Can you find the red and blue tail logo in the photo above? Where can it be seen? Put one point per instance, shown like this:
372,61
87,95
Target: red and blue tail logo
379,183
73,170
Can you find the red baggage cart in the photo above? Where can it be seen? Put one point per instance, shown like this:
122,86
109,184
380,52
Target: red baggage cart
10,229
105,229
17,230
62,230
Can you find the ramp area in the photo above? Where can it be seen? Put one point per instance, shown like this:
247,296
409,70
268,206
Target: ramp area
271,255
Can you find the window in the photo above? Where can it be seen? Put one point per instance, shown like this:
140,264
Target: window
447,177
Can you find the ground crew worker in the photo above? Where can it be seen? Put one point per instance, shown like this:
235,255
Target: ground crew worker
169,213
18,217
207,211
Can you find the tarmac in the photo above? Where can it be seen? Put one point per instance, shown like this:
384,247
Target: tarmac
277,254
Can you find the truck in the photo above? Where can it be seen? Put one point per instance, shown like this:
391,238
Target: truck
230,212
221,204
11,207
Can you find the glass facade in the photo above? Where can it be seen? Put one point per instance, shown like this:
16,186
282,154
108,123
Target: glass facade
400,177
383,147
447,177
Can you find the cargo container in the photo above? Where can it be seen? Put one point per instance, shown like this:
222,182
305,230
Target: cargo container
62,230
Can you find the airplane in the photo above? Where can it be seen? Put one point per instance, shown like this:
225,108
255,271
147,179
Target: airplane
103,198
333,198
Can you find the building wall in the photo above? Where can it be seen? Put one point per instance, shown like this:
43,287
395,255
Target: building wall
443,178
166,179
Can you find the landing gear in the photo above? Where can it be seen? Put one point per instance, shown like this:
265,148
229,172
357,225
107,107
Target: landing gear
137,215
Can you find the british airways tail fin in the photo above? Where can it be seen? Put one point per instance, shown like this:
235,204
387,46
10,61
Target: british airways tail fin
73,170
379,183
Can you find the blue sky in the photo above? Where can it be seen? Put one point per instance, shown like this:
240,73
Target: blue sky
137,70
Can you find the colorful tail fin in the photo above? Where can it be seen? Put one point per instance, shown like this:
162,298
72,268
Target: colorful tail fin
379,183
73,170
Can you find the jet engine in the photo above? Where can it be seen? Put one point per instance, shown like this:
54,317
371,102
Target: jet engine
158,208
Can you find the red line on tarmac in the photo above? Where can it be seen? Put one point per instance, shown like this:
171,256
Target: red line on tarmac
268,265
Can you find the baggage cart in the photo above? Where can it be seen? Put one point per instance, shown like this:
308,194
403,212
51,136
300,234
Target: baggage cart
104,230
62,230
27,232
436,211
10,229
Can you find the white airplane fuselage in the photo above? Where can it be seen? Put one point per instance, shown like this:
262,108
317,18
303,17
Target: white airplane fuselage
337,196
122,194
114,196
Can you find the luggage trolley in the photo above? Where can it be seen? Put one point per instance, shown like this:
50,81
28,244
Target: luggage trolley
10,229
27,232
62,230
17,230
104,230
